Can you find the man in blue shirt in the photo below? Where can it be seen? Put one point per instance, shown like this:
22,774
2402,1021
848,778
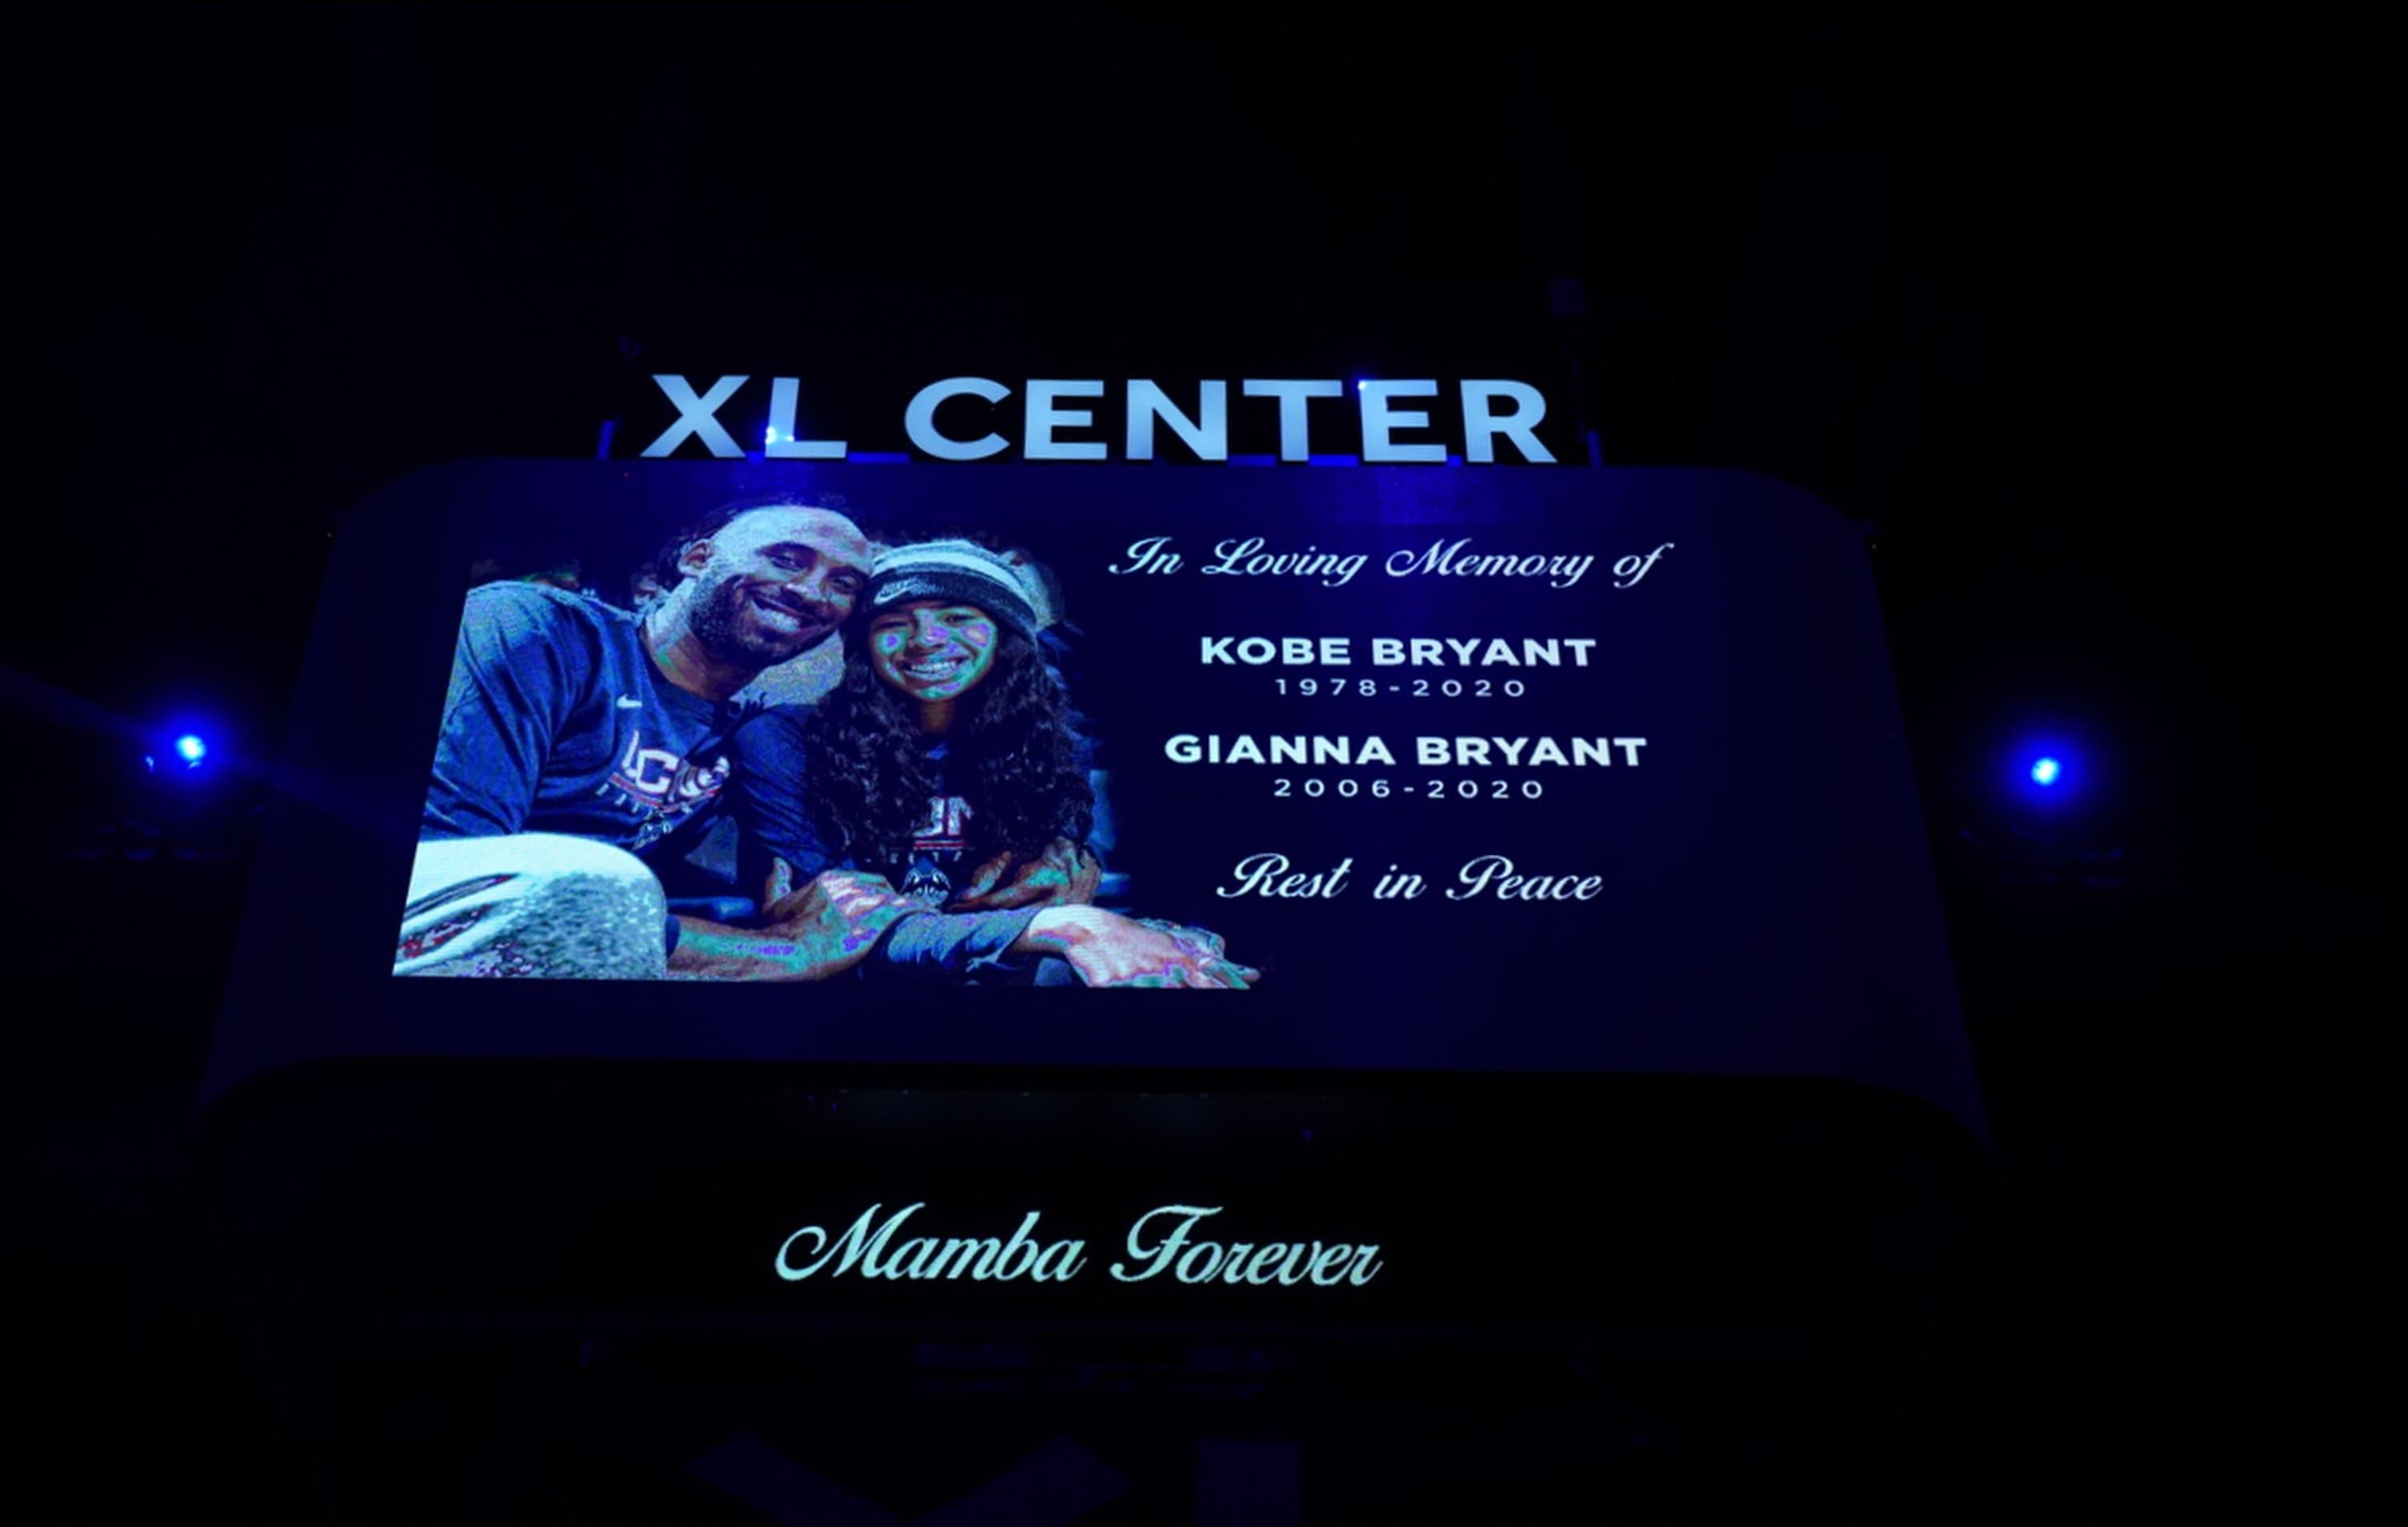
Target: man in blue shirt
576,737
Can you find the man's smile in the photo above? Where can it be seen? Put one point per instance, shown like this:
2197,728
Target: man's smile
783,609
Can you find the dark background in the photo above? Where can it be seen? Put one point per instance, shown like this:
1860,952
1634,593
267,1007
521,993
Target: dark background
2084,309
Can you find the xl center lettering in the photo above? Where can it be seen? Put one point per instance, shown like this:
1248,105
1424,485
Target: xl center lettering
1053,411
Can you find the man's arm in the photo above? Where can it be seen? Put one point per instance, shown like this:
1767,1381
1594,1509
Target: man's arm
1107,949
778,845
843,919
514,674
823,929
1065,875
935,944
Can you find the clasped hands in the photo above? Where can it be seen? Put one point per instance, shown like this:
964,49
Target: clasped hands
840,917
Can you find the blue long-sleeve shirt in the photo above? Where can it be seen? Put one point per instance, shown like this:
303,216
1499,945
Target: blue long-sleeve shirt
557,721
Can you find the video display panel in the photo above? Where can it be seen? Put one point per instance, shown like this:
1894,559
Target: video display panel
1428,769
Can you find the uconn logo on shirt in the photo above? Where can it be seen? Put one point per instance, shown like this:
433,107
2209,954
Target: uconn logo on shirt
662,782
945,828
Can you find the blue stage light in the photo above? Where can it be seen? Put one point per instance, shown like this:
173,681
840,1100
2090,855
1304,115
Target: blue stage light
190,748
2050,771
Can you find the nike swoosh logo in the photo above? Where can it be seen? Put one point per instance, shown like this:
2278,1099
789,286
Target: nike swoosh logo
629,702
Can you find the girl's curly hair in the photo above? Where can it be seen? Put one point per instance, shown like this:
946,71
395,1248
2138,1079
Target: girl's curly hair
1013,752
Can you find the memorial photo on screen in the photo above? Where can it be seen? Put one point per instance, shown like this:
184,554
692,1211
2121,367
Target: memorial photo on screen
794,754
1447,769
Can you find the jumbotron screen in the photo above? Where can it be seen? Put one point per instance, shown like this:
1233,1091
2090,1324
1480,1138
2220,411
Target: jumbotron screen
1422,768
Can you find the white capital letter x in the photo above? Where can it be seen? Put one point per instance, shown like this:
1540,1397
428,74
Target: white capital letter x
697,416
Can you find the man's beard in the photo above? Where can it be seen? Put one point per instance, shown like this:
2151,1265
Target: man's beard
724,622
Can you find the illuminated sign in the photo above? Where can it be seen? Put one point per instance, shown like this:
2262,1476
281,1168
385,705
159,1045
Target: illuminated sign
1593,770
1394,417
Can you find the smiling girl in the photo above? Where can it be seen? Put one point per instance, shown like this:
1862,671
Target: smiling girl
949,740
947,761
